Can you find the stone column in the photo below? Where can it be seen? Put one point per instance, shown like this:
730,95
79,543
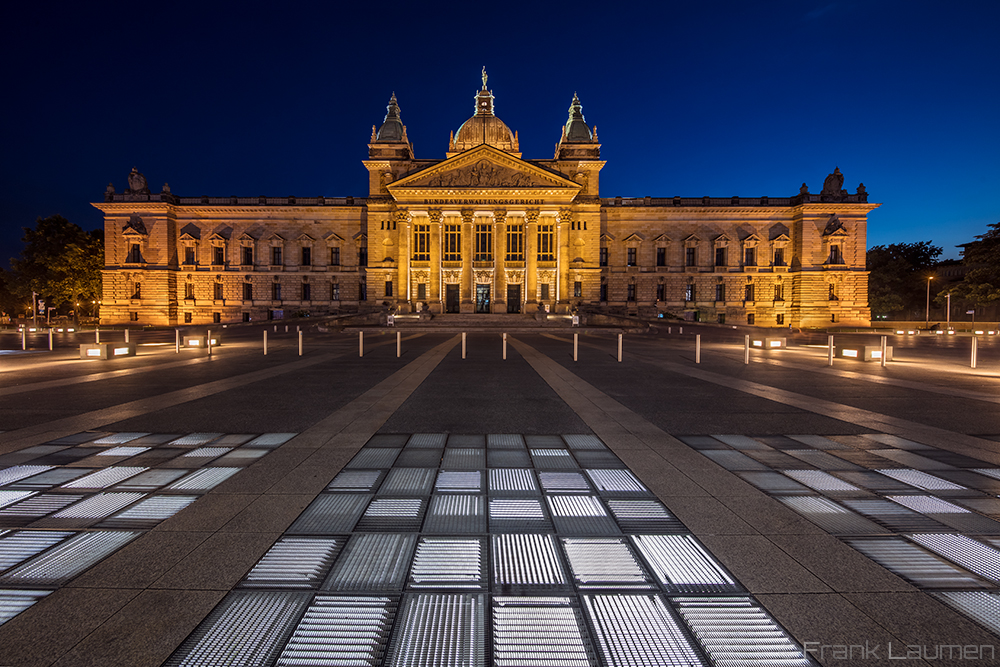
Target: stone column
468,231
499,255
531,260
434,289
562,259
403,255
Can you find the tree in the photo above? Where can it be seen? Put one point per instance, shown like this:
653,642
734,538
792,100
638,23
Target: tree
981,284
898,276
60,262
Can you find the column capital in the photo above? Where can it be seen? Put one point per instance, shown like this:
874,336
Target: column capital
531,216
565,215
434,215
402,216
468,215
500,215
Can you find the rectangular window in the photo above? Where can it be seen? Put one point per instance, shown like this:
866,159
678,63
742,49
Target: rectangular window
484,243
218,255
246,317
363,256
750,256
779,256
779,318
307,256
720,292
334,256
276,256
604,257
604,292
690,258
188,290
306,292
515,243
661,256
247,255
452,243
632,252
217,317
248,291
137,291
833,292
421,243
362,291
835,256
689,292
748,294
421,290
187,318
750,318
134,316
189,255
276,291
388,288
217,291
721,318
134,254
334,291
545,291
779,293
631,292
660,293
720,257
577,289
546,243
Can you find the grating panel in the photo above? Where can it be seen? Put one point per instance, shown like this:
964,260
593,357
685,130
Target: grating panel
248,628
456,513
830,516
700,442
422,457
989,472
150,480
912,460
873,481
104,478
821,481
99,506
204,479
156,439
330,513
504,441
580,515
921,480
294,562
36,507
643,516
816,459
78,438
638,631
459,480
341,631
271,439
895,441
240,457
464,440
583,442
517,515
552,459
123,451
928,505
774,482
11,497
775,460
563,482
464,458
63,562
372,562
119,438
981,606
617,482
445,630
395,514
818,442
512,481
195,439
408,482
538,632
388,440
533,441
508,458
149,512
207,452
374,457
680,563
355,480
603,562
13,603
427,440
11,475
893,516
605,459
19,546
740,442
738,631
526,560
731,460
966,552
442,562
235,439
915,564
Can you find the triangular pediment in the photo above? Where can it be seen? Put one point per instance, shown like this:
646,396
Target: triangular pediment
718,240
275,237
188,236
246,237
782,238
662,238
305,238
634,237
485,173
753,238
693,238
333,237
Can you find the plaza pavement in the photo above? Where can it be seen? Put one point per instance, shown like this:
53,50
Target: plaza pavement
926,414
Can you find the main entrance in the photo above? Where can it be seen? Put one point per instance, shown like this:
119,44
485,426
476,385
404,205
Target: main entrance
482,298
451,299
514,298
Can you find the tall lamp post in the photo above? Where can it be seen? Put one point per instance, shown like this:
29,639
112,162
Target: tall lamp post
927,314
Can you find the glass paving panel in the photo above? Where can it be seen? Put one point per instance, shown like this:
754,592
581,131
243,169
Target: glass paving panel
920,480
63,562
11,475
538,631
24,544
603,563
456,513
355,480
204,479
408,481
679,562
372,562
526,560
617,482
465,458
104,478
341,630
639,631
512,481
331,513
447,562
439,629
295,562
11,497
916,564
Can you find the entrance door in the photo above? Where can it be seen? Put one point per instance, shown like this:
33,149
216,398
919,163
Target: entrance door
514,298
451,299
482,298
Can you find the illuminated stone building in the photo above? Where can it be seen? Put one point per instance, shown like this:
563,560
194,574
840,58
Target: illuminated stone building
486,231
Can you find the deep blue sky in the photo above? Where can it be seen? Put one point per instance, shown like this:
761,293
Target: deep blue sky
698,98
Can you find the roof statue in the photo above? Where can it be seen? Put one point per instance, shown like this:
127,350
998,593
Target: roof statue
484,77
834,183
137,184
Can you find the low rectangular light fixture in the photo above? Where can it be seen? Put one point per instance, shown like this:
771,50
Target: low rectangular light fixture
194,342
938,333
877,354
121,350
901,332
978,333
758,343
850,353
94,352
775,343
214,342
912,333
951,333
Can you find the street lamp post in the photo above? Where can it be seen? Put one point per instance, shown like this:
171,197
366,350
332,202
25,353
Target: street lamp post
927,314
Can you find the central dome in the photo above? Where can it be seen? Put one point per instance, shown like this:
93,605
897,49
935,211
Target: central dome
484,127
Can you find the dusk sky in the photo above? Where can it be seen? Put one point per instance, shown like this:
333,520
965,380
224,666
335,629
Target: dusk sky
690,98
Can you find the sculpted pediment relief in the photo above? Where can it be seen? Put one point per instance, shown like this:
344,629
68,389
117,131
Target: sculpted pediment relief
484,167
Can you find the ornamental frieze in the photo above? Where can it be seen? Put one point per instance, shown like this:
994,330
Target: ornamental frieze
451,276
483,277
514,276
485,174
